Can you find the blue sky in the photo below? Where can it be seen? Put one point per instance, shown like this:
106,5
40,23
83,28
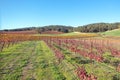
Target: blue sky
27,13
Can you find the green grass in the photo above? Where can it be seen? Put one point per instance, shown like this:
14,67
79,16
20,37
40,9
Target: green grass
74,33
68,34
115,32
29,61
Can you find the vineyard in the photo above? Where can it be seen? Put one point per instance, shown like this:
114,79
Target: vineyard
59,57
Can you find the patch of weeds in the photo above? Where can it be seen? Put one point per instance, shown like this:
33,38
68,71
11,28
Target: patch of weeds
31,78
106,61
59,48
67,52
43,64
14,76
81,60
23,63
57,74
116,77
115,63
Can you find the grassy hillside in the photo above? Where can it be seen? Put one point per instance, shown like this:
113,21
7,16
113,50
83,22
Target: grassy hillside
76,33
115,32
70,34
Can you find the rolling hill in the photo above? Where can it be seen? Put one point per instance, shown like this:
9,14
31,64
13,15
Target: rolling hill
115,32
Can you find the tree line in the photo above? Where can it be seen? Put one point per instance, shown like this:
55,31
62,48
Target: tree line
98,27
95,27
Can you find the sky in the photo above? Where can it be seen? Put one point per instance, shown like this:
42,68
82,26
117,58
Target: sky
33,13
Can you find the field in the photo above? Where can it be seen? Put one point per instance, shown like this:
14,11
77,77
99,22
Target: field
115,32
71,56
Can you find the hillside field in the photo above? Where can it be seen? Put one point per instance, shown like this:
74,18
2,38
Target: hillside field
115,32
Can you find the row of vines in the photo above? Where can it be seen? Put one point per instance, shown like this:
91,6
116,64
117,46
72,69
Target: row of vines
93,49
